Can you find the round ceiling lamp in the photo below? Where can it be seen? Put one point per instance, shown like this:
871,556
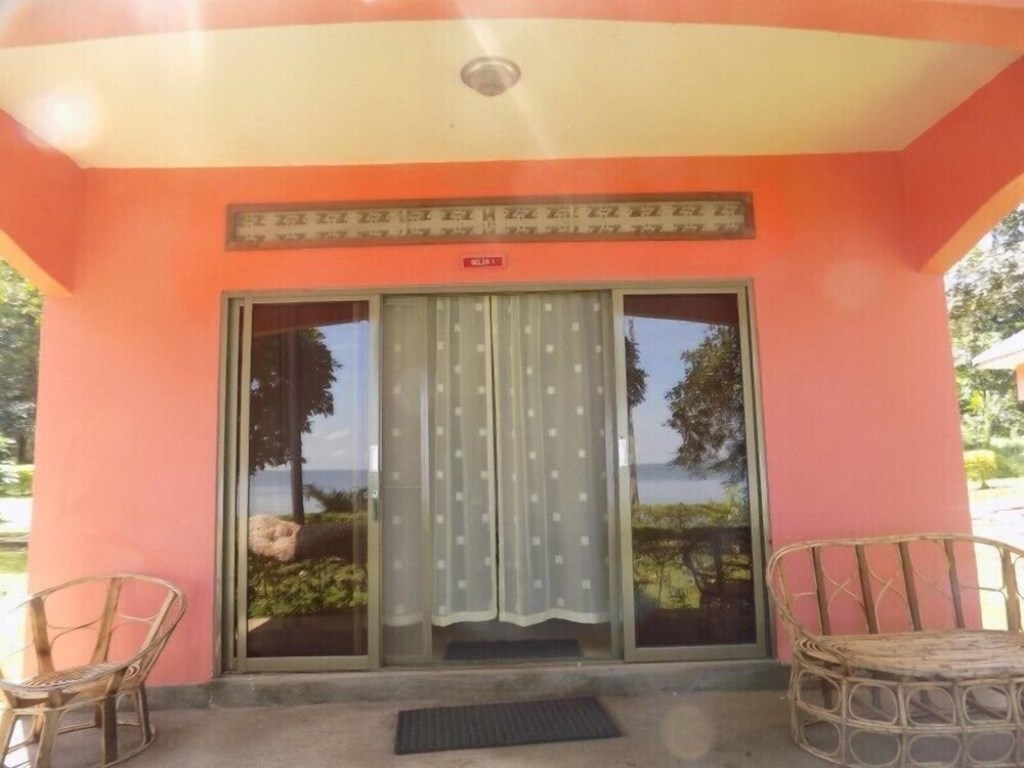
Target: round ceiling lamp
490,75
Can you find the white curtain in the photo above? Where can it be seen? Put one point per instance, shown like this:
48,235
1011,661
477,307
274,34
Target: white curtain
494,473
437,394
462,462
402,482
552,400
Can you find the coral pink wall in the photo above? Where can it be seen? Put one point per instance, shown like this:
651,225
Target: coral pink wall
859,408
40,199
966,172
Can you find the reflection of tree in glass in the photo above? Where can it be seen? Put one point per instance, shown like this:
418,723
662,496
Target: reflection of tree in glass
636,391
338,502
300,567
706,408
292,375
636,377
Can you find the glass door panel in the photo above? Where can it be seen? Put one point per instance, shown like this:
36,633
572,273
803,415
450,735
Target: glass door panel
306,553
691,534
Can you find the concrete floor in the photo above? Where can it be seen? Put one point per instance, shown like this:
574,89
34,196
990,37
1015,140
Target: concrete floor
721,728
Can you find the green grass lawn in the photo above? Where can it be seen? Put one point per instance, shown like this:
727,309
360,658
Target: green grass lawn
13,561
13,589
17,481
999,487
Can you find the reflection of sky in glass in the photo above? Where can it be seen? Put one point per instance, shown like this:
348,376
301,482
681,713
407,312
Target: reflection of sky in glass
660,344
341,441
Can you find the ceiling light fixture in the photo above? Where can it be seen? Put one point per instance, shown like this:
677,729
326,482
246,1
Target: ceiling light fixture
490,75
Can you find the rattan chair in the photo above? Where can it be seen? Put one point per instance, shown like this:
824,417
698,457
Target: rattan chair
88,666
907,650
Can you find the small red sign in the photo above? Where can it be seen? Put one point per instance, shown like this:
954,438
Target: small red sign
489,260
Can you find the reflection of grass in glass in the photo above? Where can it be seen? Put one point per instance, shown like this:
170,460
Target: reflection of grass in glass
665,587
308,587
319,584
684,554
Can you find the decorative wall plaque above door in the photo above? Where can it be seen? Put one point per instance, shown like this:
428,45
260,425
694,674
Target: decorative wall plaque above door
698,216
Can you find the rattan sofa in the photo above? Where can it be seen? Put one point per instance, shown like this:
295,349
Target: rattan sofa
891,665
73,668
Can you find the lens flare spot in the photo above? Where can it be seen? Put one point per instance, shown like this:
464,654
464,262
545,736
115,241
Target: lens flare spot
687,732
852,284
67,117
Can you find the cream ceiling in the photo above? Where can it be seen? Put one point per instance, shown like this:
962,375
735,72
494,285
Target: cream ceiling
390,92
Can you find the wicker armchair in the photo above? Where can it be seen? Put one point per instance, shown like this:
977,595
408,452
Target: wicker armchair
891,665
89,666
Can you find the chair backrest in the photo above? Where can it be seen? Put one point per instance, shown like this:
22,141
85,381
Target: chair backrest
121,618
922,582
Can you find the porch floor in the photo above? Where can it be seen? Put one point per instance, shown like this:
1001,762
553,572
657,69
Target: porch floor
693,729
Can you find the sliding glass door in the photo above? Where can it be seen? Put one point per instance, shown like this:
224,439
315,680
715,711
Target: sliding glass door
688,487
305,507
567,475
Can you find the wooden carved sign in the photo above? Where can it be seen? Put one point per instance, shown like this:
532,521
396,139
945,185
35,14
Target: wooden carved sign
708,216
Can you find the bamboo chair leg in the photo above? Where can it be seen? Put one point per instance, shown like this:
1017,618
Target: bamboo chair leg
35,730
47,739
7,720
142,712
109,709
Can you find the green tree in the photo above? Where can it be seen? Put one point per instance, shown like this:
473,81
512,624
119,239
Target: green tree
1009,233
980,465
706,408
20,309
985,299
6,460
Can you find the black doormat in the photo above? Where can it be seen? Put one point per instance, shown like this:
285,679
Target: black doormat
498,650
502,725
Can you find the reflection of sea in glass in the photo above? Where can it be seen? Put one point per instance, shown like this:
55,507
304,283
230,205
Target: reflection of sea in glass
692,555
270,489
308,480
667,483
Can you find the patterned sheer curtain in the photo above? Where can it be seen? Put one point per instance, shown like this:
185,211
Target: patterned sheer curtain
402,480
504,515
552,399
462,462
437,373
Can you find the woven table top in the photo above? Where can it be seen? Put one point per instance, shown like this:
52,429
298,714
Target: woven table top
952,655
